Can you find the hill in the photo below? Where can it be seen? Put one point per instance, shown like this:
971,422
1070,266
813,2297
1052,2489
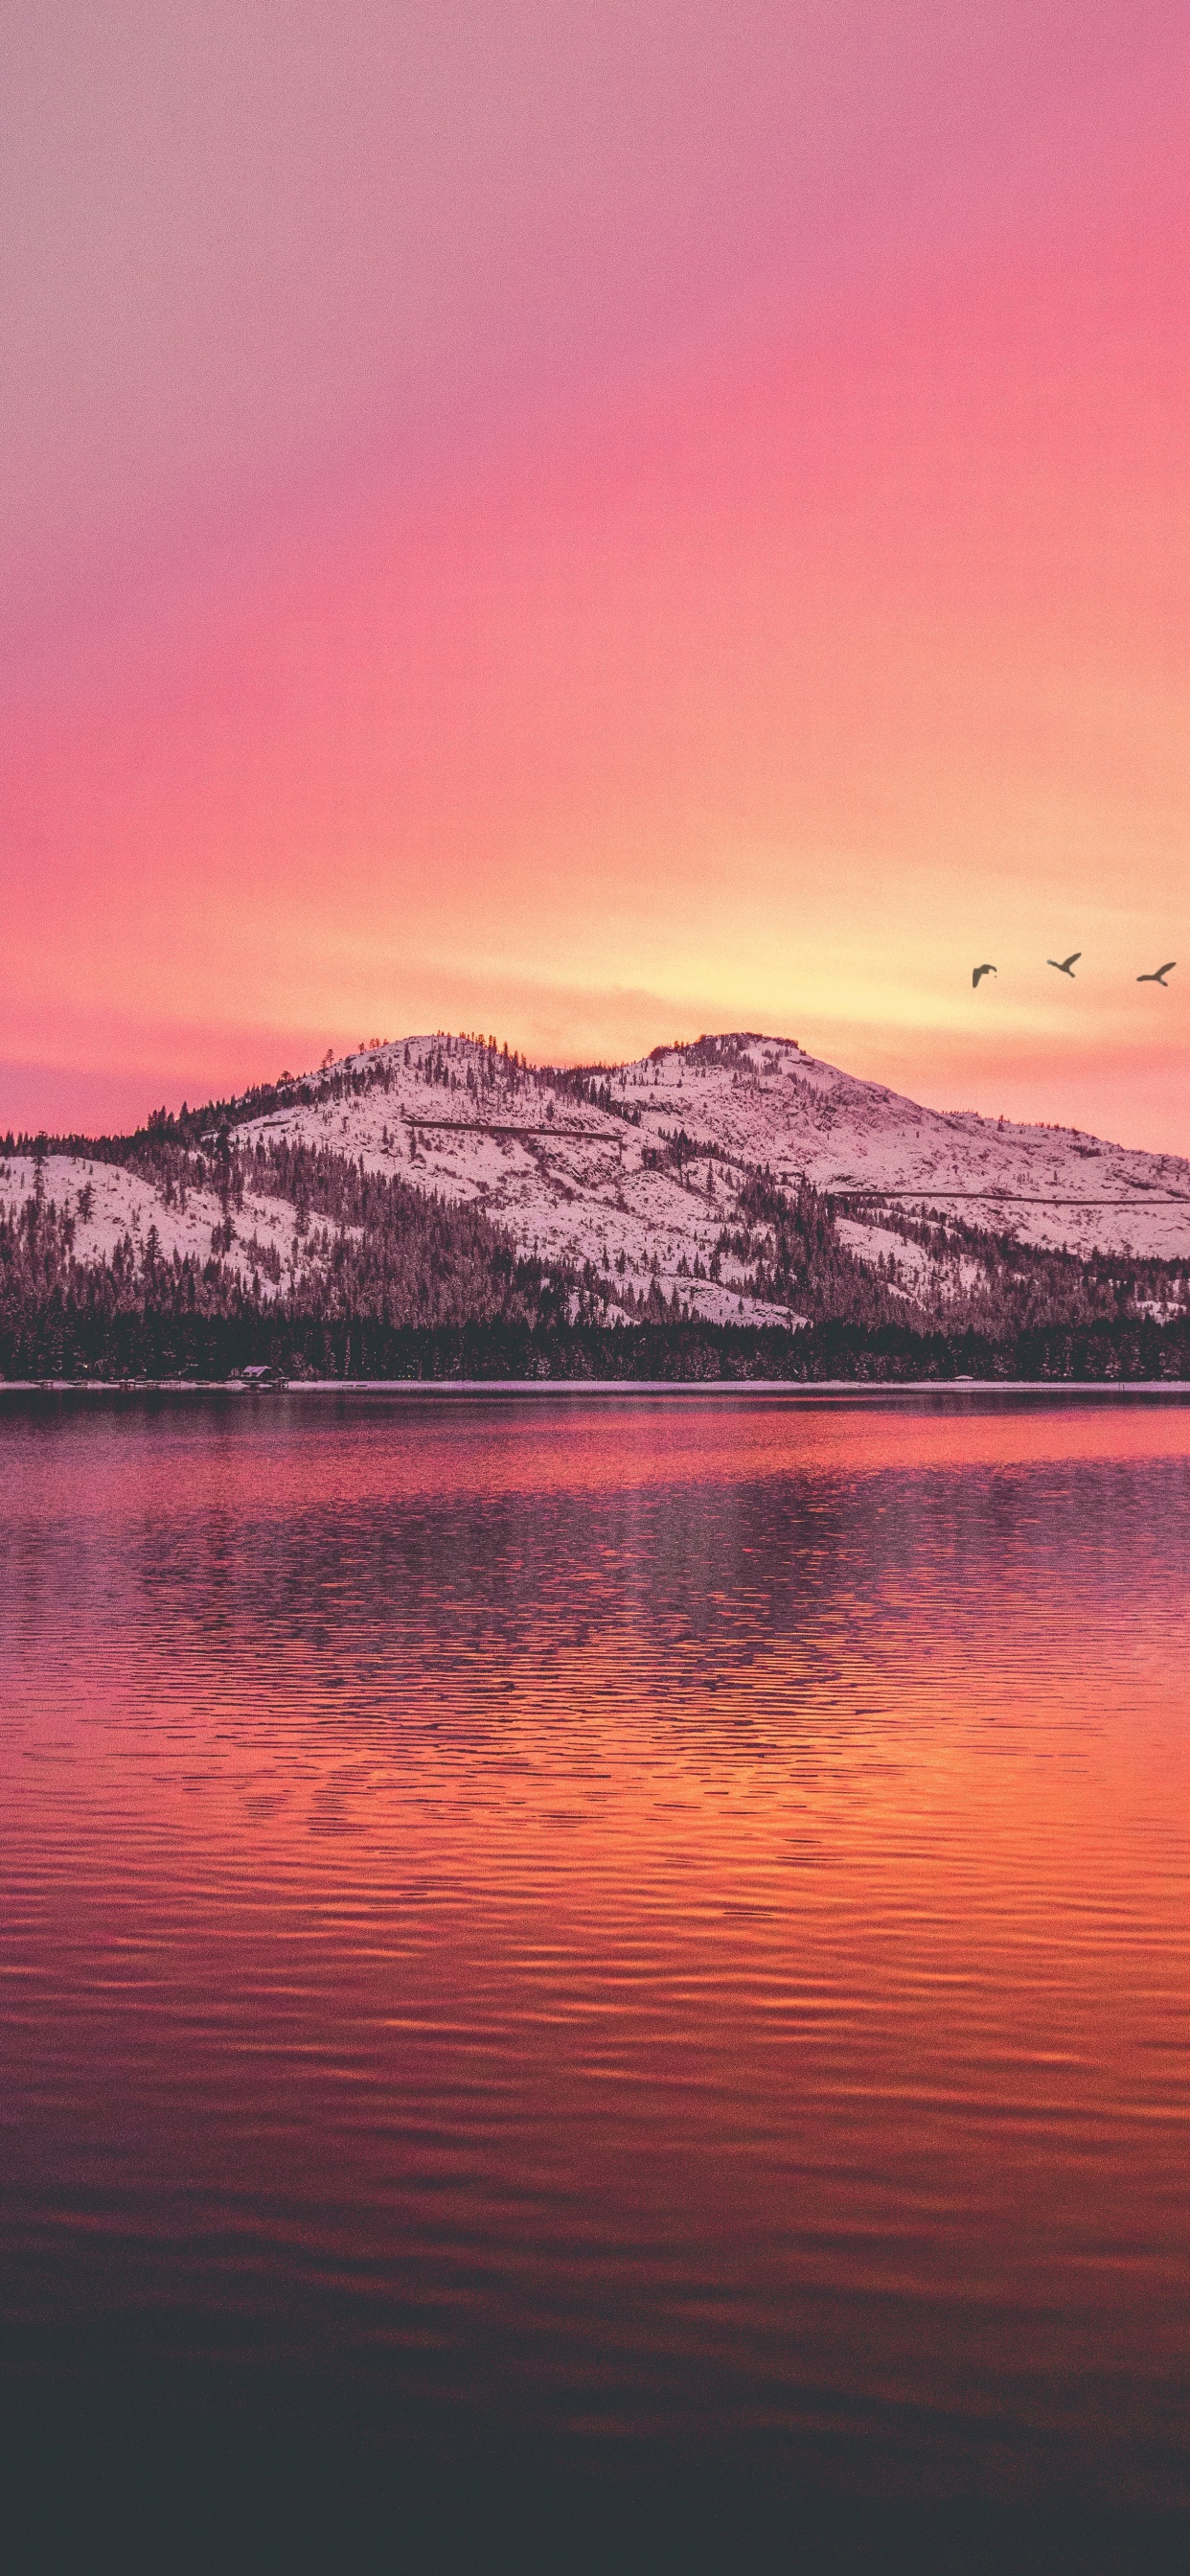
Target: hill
440,1182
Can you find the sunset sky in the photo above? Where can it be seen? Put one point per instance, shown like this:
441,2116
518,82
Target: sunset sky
596,522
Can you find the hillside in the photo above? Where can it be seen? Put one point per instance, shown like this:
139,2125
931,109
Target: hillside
736,1181
644,1159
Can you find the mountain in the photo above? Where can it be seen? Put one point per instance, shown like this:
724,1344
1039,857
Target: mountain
735,1181
645,1158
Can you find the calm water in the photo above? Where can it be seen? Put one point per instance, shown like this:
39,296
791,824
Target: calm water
636,1946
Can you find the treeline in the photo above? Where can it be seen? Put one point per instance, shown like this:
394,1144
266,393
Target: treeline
222,1333
365,1250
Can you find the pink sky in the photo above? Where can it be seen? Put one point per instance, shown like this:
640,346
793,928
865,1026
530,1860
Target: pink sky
596,524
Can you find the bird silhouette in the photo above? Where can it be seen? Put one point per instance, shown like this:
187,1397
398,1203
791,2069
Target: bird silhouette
1066,965
1160,975
977,971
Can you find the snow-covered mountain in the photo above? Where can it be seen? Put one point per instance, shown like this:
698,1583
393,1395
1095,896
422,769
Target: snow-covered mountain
636,1170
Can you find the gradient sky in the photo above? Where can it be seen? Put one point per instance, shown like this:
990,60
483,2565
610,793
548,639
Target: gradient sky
596,522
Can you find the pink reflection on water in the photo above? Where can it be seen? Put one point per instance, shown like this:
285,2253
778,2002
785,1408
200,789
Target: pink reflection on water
623,1918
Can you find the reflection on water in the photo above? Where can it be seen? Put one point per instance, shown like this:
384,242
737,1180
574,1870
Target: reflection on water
577,1925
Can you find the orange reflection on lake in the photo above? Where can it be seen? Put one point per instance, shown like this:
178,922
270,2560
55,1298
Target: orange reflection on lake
580,1921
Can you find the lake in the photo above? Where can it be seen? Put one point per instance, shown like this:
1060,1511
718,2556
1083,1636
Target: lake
613,1967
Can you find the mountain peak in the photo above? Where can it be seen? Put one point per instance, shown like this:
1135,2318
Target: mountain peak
672,1168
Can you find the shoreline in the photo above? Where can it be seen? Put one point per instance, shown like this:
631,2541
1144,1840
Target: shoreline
794,1389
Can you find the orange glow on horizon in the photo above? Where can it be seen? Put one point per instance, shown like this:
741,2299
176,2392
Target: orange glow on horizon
761,678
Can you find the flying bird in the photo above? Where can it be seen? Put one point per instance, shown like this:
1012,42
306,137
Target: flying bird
977,971
1160,975
1066,965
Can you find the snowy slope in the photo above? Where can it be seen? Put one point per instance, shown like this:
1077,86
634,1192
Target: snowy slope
571,1182
109,1205
578,1183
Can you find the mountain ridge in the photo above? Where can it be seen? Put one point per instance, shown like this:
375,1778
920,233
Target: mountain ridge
638,1182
